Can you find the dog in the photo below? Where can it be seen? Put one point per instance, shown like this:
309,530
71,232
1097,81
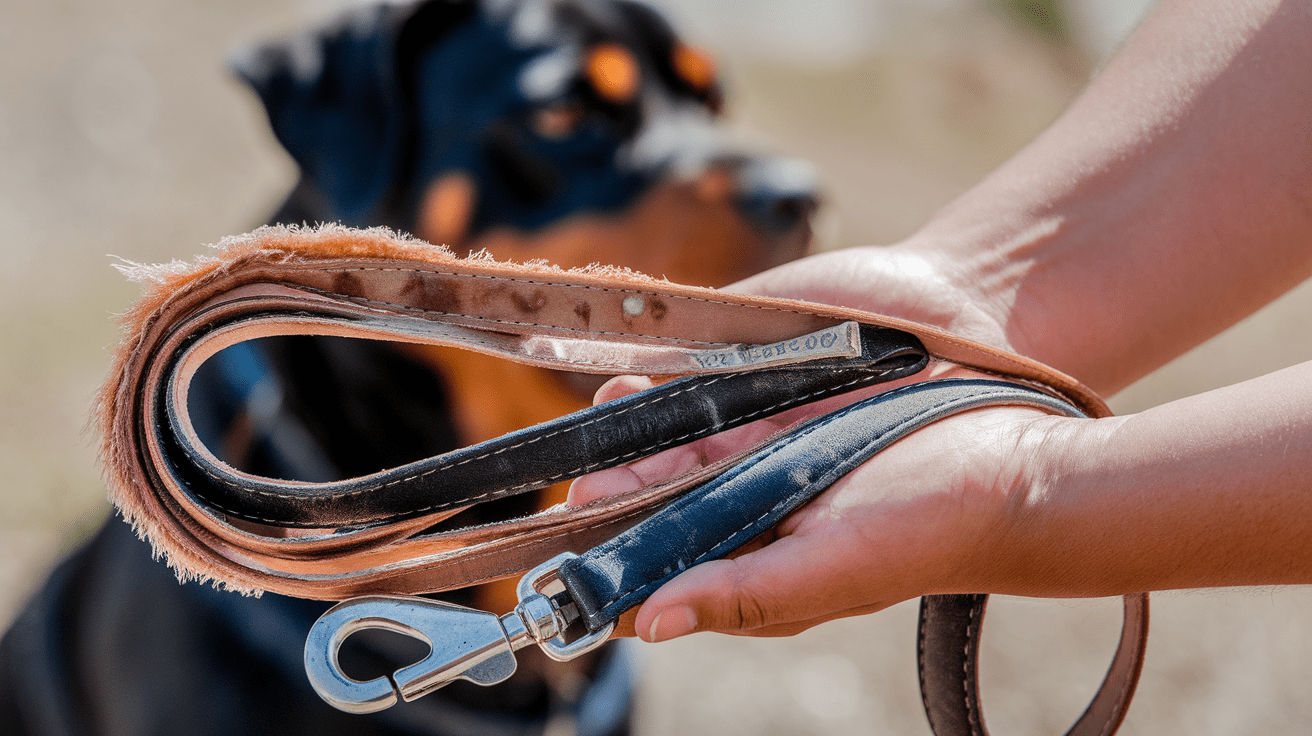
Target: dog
571,131
574,132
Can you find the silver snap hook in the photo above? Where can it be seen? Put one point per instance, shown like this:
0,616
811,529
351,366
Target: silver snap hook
464,643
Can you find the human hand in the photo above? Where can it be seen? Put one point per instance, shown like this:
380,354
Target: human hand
912,521
929,515
917,280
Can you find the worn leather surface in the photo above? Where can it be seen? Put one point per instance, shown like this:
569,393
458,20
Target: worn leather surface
720,516
372,285
112,645
714,519
947,653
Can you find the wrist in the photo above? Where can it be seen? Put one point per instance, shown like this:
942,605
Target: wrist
1045,542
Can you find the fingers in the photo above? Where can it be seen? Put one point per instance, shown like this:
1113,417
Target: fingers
779,589
602,484
640,473
637,474
621,386
665,465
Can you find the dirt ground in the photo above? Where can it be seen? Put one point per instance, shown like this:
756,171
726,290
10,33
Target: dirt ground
121,136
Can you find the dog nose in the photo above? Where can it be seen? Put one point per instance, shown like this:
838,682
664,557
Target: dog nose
778,195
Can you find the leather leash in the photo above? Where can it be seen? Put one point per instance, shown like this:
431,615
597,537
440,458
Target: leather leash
734,358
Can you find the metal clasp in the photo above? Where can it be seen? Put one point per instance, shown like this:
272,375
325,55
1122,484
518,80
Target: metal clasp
465,644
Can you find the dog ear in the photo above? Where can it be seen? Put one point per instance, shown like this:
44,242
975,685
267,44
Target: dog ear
339,97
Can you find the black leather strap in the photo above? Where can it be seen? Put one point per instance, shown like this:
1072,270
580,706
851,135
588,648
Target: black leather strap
593,439
718,517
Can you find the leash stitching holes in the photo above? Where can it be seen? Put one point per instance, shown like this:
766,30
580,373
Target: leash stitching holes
242,488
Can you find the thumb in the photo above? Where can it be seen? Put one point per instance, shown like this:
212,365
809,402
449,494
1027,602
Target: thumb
763,589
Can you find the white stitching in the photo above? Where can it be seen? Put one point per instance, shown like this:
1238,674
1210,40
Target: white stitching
498,492
573,286
741,468
421,310
972,711
1119,705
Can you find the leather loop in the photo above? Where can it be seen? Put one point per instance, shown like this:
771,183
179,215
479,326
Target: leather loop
376,534
713,520
947,655
600,437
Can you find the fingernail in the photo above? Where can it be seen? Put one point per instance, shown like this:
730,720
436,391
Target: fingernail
672,623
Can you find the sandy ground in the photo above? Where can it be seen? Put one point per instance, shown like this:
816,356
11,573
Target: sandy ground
122,136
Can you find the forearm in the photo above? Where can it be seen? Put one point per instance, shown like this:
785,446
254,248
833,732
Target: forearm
1171,200
1212,490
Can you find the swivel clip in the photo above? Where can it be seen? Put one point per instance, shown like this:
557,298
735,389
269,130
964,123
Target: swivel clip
465,644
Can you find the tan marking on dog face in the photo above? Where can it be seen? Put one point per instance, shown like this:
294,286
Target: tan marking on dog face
557,122
613,72
677,230
448,206
694,66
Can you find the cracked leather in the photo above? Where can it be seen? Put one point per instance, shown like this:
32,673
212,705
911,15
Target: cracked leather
387,532
273,535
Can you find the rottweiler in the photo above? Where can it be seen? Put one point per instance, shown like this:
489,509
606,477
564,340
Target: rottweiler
571,131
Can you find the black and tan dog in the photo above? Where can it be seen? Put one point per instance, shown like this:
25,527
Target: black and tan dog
572,131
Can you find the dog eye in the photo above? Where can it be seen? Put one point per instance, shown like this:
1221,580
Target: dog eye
694,66
613,72
559,121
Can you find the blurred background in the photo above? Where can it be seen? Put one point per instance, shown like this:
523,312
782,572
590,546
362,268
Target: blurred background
123,137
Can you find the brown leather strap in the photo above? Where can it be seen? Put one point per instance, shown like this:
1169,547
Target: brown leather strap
372,285
947,655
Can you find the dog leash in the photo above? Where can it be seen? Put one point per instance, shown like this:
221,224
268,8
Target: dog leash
736,358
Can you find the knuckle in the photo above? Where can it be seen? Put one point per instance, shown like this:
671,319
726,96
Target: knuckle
750,606
749,612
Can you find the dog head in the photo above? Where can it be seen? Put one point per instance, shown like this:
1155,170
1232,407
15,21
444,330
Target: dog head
576,131
572,131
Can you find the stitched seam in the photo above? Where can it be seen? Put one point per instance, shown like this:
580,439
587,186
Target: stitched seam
509,490
587,287
492,320
921,642
972,712
740,469
1120,701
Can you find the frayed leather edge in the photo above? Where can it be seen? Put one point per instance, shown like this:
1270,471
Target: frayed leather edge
166,285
